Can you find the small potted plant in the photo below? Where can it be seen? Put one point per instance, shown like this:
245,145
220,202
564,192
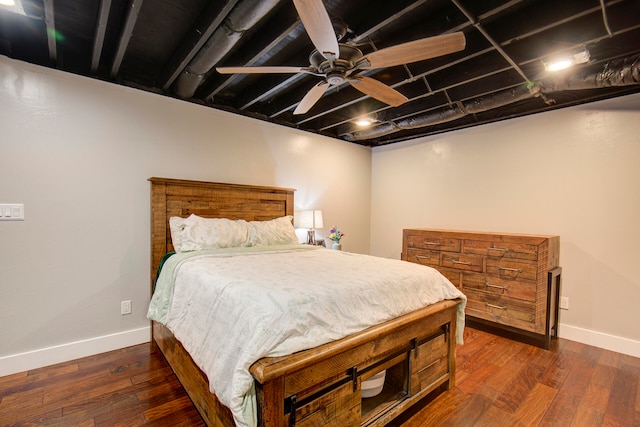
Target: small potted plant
335,235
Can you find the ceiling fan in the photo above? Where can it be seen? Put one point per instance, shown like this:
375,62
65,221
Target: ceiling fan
339,62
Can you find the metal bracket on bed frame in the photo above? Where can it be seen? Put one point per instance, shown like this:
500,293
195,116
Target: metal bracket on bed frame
354,378
292,409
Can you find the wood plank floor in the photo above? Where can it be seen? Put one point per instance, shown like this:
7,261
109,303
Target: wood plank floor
499,383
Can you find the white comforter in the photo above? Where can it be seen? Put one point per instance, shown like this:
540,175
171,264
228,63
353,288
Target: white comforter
231,308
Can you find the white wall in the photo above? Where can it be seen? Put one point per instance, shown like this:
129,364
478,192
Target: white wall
78,152
572,172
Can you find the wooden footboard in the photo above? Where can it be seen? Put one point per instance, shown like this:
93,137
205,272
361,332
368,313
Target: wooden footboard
320,386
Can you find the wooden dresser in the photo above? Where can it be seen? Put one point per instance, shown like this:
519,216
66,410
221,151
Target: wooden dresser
512,281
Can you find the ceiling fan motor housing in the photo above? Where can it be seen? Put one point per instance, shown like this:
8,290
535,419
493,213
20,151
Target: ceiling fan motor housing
335,70
335,79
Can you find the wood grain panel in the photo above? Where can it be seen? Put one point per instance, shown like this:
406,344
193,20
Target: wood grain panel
556,394
505,276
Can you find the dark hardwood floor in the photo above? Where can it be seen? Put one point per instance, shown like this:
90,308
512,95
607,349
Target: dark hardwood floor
499,383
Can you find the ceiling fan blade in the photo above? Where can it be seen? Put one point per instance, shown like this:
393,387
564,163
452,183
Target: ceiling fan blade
417,50
318,25
311,97
378,90
259,70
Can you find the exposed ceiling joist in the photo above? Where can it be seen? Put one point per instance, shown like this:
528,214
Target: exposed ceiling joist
101,30
175,48
50,22
125,37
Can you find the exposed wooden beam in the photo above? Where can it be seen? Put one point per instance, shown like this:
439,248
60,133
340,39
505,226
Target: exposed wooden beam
49,20
98,41
125,38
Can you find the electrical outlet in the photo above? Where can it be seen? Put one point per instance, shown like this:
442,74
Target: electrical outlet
125,307
564,303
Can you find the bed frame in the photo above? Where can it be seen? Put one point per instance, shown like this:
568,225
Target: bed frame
319,386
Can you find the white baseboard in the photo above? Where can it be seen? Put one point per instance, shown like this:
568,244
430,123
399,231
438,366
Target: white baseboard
61,353
601,340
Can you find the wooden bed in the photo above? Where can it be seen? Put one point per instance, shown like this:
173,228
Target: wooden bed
320,386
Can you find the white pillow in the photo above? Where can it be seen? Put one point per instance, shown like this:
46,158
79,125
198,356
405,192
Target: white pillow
197,233
177,225
211,233
277,231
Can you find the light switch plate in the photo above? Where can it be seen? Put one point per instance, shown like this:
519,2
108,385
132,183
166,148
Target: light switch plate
11,212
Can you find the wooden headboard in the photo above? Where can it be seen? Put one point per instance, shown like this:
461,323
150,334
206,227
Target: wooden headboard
176,197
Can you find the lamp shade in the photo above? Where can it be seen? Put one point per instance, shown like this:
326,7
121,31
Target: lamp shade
317,219
309,219
304,219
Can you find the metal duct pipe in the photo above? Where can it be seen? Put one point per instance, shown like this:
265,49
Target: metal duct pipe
434,117
380,130
621,72
502,98
244,16
448,114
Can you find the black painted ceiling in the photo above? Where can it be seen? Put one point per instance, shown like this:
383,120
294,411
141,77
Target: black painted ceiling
173,47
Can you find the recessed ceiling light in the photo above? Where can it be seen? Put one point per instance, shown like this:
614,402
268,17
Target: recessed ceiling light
566,60
559,64
14,6
364,122
366,119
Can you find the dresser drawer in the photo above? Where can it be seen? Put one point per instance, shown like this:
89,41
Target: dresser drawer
429,363
511,269
424,241
497,286
425,257
467,262
497,249
502,309
507,277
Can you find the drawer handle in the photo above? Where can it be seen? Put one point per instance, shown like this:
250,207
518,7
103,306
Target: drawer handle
431,243
498,249
422,257
519,270
491,285
455,261
501,307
